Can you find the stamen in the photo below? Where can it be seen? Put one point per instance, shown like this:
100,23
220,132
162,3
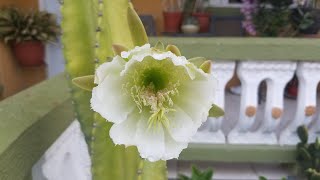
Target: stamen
159,102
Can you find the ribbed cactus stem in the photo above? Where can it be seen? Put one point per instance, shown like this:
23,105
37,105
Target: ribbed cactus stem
78,40
90,28
109,161
152,170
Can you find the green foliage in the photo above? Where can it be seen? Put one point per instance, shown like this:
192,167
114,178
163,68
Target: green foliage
308,155
264,178
17,26
198,175
302,19
189,7
283,20
274,21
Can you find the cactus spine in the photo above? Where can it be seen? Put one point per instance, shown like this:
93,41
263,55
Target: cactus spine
90,28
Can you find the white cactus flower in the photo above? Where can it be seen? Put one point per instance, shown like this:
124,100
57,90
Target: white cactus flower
156,100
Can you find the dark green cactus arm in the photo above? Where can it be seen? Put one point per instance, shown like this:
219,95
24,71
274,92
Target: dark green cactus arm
78,42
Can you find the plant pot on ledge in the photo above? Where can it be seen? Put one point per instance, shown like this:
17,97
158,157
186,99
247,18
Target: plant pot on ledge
172,21
27,33
29,53
204,21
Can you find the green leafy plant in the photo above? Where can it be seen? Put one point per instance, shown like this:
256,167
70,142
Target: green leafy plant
304,18
264,178
198,174
18,26
274,21
308,155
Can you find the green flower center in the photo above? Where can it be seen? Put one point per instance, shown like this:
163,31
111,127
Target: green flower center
153,87
155,77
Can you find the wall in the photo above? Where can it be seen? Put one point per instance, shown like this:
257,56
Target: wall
24,4
154,8
13,77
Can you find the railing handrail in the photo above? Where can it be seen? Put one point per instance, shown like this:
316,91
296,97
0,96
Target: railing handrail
295,49
29,123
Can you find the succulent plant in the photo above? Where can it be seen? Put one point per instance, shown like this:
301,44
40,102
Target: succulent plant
308,155
17,26
90,27
198,174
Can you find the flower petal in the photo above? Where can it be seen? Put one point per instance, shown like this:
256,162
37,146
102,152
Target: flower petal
157,55
173,148
150,142
113,67
137,50
200,95
181,127
109,100
124,132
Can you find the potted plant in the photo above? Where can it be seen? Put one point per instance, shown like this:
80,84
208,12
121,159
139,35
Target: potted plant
172,15
306,18
202,16
275,21
26,33
190,23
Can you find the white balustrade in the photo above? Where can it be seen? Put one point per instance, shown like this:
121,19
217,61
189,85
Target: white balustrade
211,131
252,73
308,74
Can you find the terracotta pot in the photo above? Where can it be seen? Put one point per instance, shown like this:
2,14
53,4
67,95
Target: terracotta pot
172,21
29,53
204,21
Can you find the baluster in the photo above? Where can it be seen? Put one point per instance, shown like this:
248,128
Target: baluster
274,102
211,131
251,74
309,77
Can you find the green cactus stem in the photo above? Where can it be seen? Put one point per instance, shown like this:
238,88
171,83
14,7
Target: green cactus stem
78,42
152,170
110,161
90,28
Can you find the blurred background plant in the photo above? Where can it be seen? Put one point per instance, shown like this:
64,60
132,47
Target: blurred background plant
191,14
17,26
306,17
27,32
273,18
248,9
173,5
197,174
308,155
